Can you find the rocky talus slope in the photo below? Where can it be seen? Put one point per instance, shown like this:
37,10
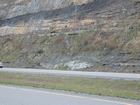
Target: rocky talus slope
95,35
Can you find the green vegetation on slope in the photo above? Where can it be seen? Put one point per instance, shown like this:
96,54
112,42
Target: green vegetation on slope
89,40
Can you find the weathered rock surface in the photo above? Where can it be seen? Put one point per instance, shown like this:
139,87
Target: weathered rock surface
95,13
71,34
14,8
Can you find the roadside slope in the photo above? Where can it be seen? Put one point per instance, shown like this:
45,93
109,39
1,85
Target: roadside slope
101,35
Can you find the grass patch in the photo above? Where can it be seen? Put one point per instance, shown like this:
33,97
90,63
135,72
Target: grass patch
40,51
107,87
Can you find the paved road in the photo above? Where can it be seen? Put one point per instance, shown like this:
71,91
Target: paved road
76,73
16,95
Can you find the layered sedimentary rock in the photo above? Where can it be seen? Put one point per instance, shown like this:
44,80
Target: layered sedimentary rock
40,16
74,34
12,8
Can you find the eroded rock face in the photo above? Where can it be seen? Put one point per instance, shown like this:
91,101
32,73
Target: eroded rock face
64,15
19,7
60,17
61,26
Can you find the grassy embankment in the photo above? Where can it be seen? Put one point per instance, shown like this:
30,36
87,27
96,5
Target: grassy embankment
107,87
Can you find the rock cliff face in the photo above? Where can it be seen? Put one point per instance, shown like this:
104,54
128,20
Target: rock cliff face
67,16
14,8
70,34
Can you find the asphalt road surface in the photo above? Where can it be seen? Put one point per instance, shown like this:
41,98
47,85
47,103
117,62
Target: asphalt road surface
126,76
16,95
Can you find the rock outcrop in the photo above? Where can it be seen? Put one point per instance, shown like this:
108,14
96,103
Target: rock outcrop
67,16
12,8
104,33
